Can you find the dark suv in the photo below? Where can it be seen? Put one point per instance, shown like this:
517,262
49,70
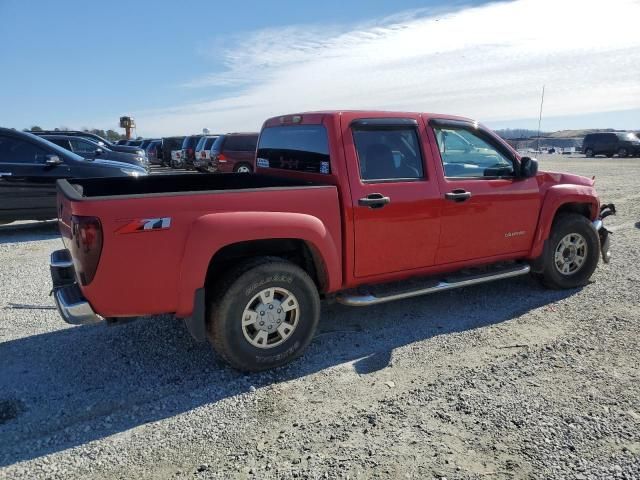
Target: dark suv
623,144
170,144
30,167
233,152
188,152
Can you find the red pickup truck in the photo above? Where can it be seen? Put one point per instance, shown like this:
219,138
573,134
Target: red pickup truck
363,207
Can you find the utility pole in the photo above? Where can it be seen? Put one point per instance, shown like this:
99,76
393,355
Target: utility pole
540,120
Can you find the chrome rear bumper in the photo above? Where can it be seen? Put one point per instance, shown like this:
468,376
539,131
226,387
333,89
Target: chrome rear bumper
73,307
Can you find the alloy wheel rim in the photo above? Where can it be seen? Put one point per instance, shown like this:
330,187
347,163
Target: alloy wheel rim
270,317
570,254
243,170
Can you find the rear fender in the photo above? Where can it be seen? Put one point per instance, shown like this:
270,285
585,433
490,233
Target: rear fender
212,232
556,197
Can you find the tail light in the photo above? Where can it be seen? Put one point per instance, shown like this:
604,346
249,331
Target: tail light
221,157
86,246
203,154
189,151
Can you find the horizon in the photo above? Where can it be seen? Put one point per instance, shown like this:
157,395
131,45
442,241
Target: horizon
420,56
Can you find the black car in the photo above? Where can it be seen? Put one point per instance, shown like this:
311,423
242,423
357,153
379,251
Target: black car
92,136
29,168
145,143
189,150
92,150
623,144
168,145
154,152
135,143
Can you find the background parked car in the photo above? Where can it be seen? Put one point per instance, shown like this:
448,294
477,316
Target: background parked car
145,143
92,136
189,151
154,152
623,144
91,150
203,151
31,165
135,143
169,144
233,152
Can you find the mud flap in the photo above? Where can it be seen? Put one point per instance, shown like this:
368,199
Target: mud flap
603,233
196,323
605,211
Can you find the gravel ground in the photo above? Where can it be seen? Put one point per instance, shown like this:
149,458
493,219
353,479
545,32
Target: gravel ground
504,380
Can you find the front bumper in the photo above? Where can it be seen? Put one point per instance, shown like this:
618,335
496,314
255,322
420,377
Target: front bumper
603,233
73,307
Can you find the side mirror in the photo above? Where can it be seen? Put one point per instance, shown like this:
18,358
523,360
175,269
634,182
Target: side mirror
52,160
99,151
528,167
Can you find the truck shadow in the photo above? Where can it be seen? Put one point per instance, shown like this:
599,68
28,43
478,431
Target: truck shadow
28,231
63,389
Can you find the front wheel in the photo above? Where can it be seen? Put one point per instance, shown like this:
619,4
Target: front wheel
571,254
589,152
622,153
263,314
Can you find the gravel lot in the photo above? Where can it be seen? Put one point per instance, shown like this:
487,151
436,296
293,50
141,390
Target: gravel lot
505,380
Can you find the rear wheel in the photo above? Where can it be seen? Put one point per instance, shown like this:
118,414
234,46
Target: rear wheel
589,152
263,314
622,152
572,252
243,168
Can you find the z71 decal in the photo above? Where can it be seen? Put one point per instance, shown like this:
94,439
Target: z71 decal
146,225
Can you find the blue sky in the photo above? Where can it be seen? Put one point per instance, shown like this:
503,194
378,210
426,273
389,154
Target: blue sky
179,67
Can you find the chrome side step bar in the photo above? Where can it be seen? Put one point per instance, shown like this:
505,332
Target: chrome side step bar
364,300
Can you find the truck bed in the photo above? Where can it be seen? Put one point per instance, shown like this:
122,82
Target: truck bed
143,272
153,185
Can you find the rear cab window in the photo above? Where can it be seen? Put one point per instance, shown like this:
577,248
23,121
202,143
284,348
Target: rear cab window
300,148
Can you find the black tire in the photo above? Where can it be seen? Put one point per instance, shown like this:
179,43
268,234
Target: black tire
243,166
589,152
234,293
623,153
609,155
563,225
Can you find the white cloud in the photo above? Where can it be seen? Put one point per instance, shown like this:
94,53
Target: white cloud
486,62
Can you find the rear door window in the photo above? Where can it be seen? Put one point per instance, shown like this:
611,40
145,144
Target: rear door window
387,152
241,143
303,148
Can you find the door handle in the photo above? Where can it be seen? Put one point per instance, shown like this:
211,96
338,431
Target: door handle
458,195
374,200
